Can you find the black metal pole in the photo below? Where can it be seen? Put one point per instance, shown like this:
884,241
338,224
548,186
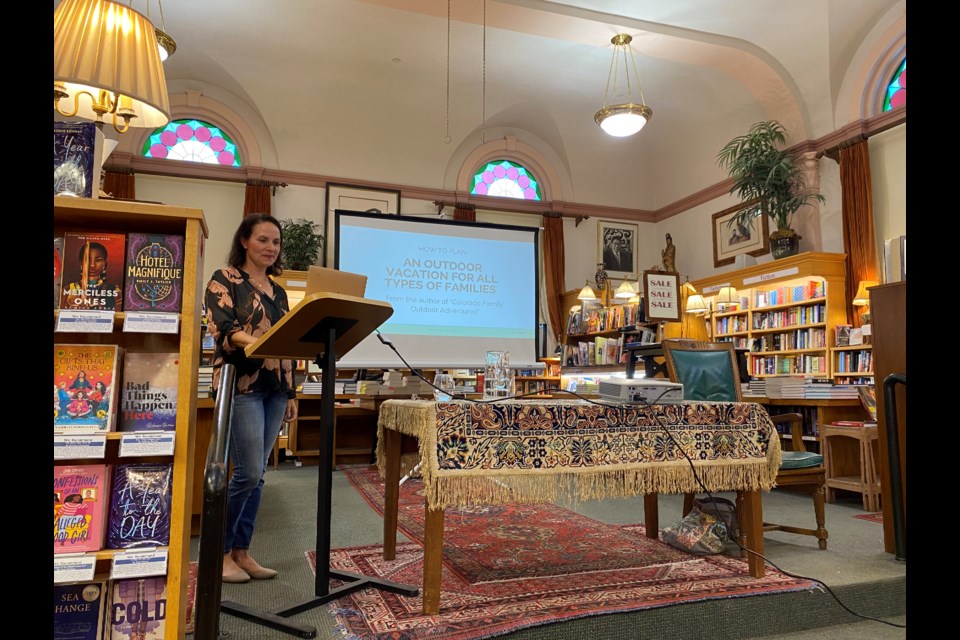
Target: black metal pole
327,361
213,516
893,460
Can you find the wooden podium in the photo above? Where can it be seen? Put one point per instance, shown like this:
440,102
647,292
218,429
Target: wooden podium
320,328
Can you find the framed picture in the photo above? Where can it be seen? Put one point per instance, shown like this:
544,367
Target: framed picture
617,247
661,296
355,198
740,229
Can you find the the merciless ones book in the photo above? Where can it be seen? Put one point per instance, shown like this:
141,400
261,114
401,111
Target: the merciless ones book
80,496
92,271
141,496
148,397
84,387
153,273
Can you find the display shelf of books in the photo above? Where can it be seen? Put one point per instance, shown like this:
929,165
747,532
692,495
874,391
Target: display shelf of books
786,314
594,333
126,340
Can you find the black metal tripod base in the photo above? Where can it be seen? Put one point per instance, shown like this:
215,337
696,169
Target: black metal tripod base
278,619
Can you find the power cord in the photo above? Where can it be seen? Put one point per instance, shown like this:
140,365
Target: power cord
729,526
650,406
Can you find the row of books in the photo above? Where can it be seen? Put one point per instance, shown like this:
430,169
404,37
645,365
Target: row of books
599,351
796,339
813,314
593,319
118,271
788,364
811,290
851,361
102,506
102,387
129,609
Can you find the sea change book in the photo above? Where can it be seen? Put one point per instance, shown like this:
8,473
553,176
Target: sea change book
92,271
138,609
84,387
78,610
148,397
80,498
153,273
141,495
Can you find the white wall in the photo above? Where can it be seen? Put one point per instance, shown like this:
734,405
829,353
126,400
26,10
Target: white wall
888,166
222,204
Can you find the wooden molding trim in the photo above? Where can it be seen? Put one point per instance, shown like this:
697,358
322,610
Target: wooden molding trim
854,131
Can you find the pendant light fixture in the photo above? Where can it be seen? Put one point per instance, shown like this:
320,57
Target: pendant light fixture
629,114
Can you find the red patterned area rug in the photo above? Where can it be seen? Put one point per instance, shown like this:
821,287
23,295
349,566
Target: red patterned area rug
516,566
872,517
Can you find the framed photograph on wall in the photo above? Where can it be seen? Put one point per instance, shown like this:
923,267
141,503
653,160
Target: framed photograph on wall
661,296
355,198
740,229
617,247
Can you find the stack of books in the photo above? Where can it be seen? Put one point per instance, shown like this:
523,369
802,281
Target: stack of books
785,387
756,387
824,389
205,381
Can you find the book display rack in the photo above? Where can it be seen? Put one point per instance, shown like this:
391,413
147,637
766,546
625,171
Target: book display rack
164,566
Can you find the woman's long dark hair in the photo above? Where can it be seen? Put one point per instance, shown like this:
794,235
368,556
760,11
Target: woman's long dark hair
238,255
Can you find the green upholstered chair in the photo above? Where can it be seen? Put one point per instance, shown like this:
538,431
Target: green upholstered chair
708,371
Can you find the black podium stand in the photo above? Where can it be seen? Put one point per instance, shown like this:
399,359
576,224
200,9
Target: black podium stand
321,327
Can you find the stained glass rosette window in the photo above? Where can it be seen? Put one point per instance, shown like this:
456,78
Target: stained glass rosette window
897,89
507,180
193,141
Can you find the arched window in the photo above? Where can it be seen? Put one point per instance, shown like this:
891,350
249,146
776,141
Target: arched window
897,89
194,141
506,179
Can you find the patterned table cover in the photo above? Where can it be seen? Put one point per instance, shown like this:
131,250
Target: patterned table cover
547,450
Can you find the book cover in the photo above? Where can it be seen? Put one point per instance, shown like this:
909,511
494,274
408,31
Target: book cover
141,495
57,269
80,496
92,271
84,387
153,273
148,395
76,169
78,610
138,609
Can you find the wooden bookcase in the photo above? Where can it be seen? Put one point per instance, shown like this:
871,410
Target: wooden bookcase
611,329
792,336
852,364
81,214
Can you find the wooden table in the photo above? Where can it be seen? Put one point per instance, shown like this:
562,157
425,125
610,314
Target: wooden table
546,450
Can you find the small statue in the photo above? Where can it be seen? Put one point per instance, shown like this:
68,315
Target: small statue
669,256
601,277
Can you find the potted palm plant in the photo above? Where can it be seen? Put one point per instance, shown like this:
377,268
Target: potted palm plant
301,243
762,170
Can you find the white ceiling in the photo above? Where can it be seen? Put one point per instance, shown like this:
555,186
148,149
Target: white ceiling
358,88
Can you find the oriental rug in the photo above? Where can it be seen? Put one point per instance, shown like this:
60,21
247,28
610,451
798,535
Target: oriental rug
872,517
510,567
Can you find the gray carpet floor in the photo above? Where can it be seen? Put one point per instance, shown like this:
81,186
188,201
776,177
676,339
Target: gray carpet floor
867,580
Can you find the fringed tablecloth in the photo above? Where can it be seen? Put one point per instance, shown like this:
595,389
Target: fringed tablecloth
548,450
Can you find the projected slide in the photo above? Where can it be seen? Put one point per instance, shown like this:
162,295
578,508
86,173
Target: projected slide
457,289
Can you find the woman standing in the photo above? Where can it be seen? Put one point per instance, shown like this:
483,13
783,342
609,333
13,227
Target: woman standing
243,304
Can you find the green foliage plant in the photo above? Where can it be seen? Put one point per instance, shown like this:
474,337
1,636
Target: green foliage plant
762,169
302,243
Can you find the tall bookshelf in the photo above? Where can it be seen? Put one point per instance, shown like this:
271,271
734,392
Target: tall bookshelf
80,214
787,314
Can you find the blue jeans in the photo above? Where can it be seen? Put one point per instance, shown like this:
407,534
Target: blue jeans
255,424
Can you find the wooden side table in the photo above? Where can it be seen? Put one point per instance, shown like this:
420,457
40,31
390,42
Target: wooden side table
849,459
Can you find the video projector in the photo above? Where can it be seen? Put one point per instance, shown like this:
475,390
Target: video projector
639,390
